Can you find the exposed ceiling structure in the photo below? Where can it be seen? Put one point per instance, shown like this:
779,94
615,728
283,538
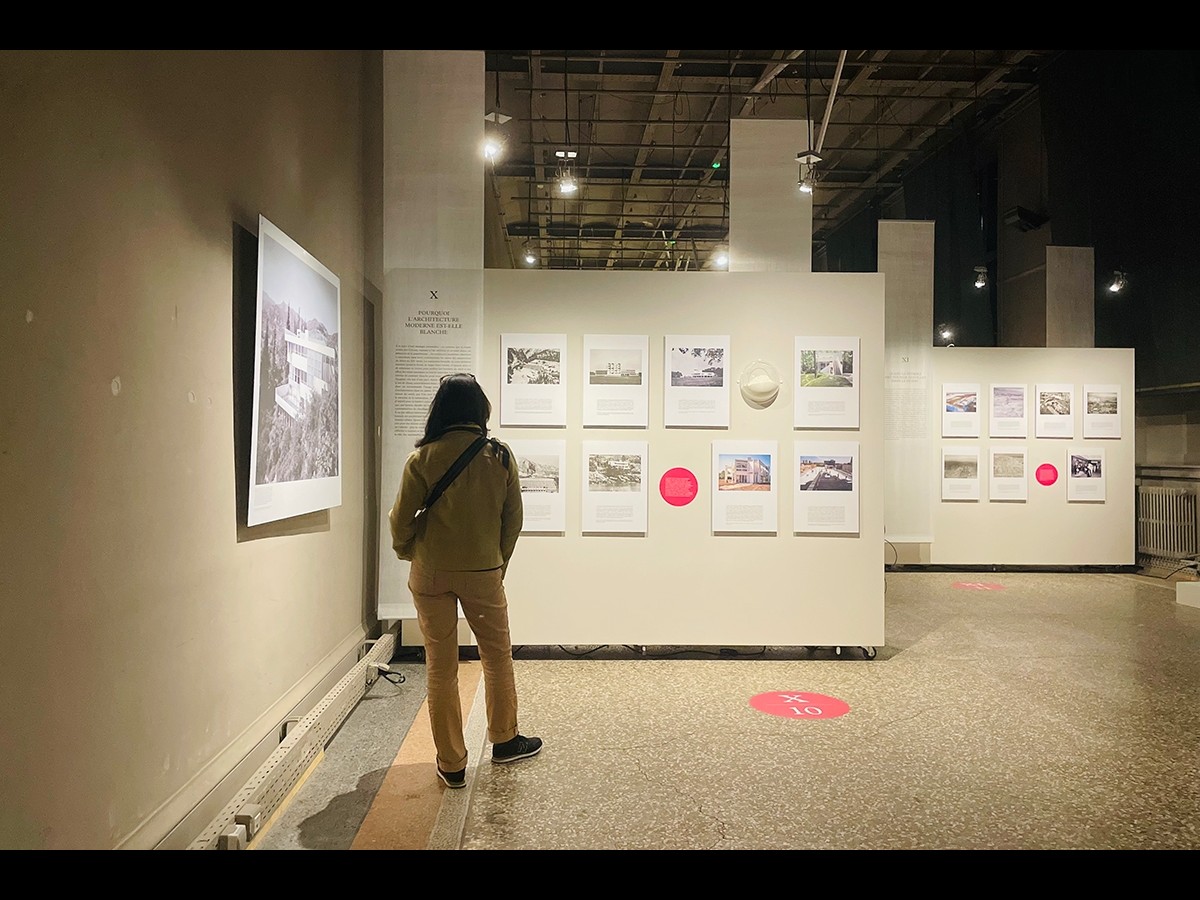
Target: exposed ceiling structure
649,130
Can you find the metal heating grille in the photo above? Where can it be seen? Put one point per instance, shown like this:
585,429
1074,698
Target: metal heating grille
1166,520
291,759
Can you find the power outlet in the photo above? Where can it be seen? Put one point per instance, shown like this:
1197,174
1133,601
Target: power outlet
233,839
249,816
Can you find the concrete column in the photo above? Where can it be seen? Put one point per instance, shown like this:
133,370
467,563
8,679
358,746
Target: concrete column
770,220
1070,297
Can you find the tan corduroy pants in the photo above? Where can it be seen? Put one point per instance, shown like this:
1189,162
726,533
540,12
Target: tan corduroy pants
436,596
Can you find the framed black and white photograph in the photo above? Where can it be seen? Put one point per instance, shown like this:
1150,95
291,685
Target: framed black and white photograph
1086,474
1055,408
296,444
696,381
960,473
614,486
541,466
1101,411
615,381
1009,478
533,380
1009,411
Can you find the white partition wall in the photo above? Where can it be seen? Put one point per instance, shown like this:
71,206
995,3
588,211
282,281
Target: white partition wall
680,582
906,261
1058,523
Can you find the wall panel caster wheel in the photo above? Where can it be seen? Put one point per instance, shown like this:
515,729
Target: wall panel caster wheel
869,652
837,650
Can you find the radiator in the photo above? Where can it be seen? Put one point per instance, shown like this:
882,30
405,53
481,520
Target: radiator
1166,523
271,784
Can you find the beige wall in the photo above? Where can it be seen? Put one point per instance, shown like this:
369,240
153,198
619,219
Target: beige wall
680,583
149,642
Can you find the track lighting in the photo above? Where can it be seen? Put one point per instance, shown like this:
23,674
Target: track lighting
981,277
530,256
1118,282
720,259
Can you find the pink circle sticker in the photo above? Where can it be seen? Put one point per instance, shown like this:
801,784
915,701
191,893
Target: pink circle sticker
799,705
1046,474
678,486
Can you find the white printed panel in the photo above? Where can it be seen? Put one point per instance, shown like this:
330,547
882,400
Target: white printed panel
744,486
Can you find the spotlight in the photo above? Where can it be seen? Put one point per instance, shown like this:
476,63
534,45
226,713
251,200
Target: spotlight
1118,282
530,257
981,277
566,177
491,148
945,335
721,259
808,160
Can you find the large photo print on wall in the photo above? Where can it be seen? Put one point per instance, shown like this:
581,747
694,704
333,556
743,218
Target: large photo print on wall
296,443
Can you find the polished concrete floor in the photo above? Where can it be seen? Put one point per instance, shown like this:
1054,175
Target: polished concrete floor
1005,711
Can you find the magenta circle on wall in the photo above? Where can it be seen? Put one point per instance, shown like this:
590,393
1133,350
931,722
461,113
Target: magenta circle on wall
1046,474
678,486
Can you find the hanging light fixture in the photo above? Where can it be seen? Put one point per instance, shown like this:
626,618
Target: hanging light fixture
493,141
981,277
566,176
807,158
530,256
1118,282
567,185
944,335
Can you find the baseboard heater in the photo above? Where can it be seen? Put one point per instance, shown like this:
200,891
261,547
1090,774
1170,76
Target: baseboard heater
264,793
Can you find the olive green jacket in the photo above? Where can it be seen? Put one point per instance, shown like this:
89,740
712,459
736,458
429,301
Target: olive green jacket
475,524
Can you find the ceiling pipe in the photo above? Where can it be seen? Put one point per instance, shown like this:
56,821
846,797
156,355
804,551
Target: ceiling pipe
837,76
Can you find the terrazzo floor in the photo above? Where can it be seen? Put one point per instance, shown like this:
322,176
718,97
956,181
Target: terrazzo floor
1046,712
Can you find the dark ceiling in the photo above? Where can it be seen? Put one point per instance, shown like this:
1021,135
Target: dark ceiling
650,130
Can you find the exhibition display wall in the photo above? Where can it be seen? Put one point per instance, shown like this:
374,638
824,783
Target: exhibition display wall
764,530
1035,456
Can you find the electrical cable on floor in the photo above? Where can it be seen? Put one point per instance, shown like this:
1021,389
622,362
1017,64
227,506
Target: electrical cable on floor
1189,565
724,651
393,677
584,653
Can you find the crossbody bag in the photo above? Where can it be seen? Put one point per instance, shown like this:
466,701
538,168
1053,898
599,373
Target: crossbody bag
459,464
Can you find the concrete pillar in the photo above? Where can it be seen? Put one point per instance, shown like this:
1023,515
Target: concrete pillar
770,220
1070,297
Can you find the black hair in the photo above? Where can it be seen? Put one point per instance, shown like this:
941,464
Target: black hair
459,401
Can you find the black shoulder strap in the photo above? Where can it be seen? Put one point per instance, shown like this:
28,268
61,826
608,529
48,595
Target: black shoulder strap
452,473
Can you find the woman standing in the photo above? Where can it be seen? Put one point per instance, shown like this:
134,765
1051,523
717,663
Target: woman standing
459,548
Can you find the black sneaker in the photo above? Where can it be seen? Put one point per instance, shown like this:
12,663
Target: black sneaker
520,747
453,779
